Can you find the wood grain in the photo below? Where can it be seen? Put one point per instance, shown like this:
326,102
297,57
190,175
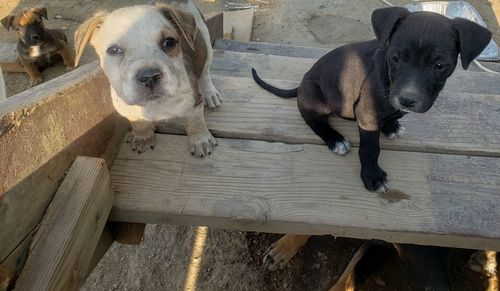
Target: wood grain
69,233
288,50
8,52
445,200
457,123
288,68
42,131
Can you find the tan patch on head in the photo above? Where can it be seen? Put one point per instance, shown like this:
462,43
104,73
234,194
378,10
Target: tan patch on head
29,15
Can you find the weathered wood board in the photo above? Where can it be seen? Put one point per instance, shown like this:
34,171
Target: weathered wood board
66,240
42,130
302,51
446,200
288,68
458,123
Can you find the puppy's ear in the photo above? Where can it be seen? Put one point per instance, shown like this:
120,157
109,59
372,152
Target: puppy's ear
473,39
42,11
7,21
86,32
183,22
385,21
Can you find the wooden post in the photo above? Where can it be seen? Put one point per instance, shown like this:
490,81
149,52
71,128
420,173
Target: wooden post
3,93
63,247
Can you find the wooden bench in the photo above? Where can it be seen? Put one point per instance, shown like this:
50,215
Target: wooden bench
269,173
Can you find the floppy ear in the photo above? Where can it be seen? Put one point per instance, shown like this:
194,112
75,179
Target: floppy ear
7,21
473,39
42,11
385,20
86,32
183,22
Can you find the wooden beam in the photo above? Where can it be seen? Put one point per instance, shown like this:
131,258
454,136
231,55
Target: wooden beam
69,233
289,68
12,67
127,233
458,123
435,199
3,92
288,50
214,22
42,131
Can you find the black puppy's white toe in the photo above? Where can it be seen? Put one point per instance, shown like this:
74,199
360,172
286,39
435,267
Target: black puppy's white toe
375,179
398,133
341,147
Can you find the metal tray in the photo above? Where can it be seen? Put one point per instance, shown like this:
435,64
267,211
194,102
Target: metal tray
462,9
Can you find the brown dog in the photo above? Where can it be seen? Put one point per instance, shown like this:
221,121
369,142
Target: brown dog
38,47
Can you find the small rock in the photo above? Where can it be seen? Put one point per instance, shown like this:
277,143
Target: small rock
64,27
316,266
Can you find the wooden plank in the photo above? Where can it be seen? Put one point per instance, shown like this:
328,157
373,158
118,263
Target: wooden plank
8,52
42,131
288,50
12,67
3,92
69,233
445,200
214,22
272,48
288,68
457,123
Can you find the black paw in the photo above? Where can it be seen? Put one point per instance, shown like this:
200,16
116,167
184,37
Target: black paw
375,179
393,130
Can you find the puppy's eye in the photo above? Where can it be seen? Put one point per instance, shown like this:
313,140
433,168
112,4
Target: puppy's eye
439,67
168,43
395,59
114,50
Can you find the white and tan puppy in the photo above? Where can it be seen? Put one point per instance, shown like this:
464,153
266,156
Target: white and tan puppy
157,60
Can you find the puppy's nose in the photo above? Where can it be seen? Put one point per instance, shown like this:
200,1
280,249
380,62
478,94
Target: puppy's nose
35,37
149,77
407,102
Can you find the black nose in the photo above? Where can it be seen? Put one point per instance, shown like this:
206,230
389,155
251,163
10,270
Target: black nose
149,77
407,102
35,37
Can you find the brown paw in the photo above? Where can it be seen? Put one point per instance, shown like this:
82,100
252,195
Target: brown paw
281,252
202,144
33,83
141,141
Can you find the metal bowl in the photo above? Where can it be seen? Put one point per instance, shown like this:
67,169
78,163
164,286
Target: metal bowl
462,9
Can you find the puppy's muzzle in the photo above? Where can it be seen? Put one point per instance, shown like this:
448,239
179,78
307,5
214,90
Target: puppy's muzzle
149,77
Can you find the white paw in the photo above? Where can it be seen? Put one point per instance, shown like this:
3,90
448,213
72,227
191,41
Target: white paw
202,144
342,147
383,188
211,96
399,133
140,141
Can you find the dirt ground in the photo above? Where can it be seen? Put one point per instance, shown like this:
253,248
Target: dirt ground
232,260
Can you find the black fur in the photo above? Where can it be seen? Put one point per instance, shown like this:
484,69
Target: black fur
377,82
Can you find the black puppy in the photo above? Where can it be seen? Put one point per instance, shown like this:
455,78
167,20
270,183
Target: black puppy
377,82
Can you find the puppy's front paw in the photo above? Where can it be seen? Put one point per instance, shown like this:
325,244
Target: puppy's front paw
35,82
341,147
278,255
141,141
202,144
375,179
68,69
394,130
211,96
